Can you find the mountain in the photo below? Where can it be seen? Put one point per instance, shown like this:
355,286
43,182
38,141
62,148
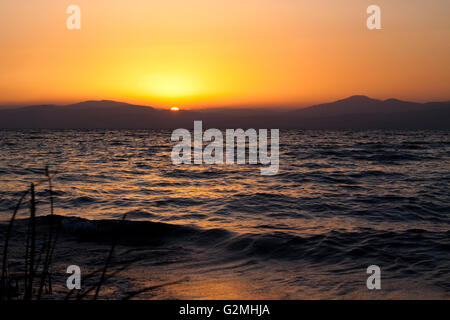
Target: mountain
89,114
356,112
359,105
361,112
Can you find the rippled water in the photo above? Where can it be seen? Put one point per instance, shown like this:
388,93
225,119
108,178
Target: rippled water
342,200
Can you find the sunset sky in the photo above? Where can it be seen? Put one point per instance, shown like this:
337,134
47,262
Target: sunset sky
200,53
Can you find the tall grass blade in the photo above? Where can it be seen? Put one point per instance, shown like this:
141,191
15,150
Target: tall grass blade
4,283
30,276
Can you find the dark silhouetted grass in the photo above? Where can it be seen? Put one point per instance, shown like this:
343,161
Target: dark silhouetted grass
27,287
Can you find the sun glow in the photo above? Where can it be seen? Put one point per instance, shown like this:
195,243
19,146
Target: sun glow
171,86
221,53
174,109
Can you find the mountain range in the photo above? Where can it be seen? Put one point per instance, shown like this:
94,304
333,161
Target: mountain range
356,112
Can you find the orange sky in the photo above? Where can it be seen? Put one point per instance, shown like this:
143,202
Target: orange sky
196,53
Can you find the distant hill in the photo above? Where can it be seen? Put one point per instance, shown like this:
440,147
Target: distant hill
89,114
361,112
359,105
356,112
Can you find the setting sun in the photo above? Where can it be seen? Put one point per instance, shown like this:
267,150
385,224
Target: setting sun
174,109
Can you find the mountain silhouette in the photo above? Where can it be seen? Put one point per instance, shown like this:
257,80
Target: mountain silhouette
361,112
359,105
355,112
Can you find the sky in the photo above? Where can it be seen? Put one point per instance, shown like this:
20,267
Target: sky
216,53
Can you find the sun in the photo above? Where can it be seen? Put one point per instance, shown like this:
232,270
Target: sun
174,109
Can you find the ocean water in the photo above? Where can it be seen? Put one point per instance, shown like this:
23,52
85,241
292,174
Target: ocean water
342,201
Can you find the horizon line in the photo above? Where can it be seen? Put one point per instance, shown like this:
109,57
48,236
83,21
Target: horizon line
225,106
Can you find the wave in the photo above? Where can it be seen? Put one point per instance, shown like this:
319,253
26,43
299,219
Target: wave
402,248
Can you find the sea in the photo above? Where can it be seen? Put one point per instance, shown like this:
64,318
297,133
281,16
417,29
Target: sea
341,202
